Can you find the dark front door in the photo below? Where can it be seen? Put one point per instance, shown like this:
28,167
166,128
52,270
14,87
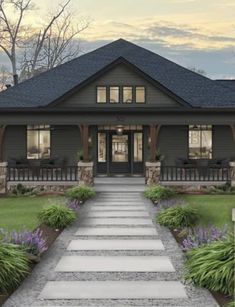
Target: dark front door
120,153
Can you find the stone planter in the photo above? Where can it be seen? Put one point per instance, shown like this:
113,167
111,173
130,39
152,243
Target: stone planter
232,168
86,173
3,177
152,173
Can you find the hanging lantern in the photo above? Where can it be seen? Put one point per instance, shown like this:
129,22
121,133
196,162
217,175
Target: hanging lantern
119,130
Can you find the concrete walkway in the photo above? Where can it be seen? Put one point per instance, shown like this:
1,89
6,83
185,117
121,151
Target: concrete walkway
114,255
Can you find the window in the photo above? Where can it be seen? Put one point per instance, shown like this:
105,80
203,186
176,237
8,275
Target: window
138,147
101,94
140,94
200,142
101,147
114,94
127,94
38,142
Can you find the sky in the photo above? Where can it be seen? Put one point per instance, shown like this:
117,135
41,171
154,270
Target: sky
193,33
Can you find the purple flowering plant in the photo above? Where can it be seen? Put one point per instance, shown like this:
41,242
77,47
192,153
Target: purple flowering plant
203,235
73,204
31,241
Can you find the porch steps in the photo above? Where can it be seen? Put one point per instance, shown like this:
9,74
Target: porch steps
124,184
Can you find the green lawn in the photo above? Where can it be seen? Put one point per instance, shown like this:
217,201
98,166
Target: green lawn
213,209
19,212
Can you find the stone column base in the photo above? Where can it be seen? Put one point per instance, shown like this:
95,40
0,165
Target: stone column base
232,169
152,173
3,177
86,173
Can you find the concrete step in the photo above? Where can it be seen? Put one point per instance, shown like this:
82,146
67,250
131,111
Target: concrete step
118,214
117,221
117,208
114,264
118,204
108,231
115,244
72,290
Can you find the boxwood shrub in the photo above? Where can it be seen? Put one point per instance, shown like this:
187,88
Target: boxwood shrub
178,217
13,266
57,216
80,193
212,266
158,192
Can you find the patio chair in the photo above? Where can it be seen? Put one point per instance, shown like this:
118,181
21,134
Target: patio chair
184,166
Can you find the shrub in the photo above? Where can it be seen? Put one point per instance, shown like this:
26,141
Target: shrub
178,217
21,190
57,216
200,236
212,266
32,242
81,193
223,189
159,192
13,266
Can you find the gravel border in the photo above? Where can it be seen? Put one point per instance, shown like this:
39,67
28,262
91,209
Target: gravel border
27,294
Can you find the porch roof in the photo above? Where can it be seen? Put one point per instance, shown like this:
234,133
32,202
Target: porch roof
191,88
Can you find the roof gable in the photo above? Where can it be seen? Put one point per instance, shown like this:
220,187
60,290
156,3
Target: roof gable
192,88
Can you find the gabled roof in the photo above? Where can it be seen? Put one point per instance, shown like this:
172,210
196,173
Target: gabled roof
227,83
192,88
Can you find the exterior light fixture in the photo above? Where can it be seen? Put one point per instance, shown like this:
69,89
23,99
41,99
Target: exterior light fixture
119,130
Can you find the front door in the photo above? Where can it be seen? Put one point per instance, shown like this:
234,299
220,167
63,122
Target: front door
120,153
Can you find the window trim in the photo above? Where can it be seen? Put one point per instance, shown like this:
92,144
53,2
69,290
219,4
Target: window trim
105,86
26,143
145,94
132,91
212,143
119,94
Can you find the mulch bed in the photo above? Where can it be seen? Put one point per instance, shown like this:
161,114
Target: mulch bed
220,298
49,235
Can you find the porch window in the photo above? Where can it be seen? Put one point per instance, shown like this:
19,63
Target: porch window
101,147
140,94
114,94
200,142
127,94
38,142
138,147
101,94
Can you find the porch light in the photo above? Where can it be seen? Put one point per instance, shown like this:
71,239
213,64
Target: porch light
119,130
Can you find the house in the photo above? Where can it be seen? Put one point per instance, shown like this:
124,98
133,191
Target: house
120,106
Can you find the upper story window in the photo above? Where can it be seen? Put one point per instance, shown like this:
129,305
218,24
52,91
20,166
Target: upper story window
123,94
101,94
38,142
200,142
114,94
140,94
127,94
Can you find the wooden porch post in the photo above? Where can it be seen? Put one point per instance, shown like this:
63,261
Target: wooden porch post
154,134
85,141
2,132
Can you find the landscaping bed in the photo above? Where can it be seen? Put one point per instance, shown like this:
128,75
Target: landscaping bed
21,250
198,224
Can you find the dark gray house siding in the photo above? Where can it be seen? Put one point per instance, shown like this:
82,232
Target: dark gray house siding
223,144
120,75
15,142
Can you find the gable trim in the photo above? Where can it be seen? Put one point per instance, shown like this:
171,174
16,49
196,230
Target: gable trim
115,63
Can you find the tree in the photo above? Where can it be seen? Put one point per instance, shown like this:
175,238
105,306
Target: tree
42,49
198,71
11,29
43,52
5,78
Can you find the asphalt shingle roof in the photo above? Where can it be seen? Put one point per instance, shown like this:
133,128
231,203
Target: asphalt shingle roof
194,89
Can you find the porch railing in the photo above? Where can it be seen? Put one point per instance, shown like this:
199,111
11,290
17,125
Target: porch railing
68,173
174,173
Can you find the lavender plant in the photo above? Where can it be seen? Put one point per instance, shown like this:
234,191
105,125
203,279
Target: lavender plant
32,242
73,204
199,236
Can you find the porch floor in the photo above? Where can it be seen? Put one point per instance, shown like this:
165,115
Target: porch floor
119,184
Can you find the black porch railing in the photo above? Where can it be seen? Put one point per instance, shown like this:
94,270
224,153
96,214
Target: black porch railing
175,173
37,173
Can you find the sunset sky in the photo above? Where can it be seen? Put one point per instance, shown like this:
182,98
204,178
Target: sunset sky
194,33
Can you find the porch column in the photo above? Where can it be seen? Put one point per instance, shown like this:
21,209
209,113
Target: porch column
85,167
153,168
154,134
3,178
2,133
